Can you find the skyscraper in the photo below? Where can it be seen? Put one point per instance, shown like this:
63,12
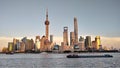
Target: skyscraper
65,36
88,42
47,25
37,43
29,44
98,42
10,46
72,38
81,43
75,30
51,38
94,44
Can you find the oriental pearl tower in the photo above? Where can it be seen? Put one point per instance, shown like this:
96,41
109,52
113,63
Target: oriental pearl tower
47,25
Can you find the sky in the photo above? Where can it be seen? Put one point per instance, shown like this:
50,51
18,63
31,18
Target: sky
20,18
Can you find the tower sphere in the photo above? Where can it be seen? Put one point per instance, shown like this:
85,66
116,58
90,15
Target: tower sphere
47,22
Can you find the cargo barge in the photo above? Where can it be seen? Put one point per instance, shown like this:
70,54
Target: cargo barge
89,56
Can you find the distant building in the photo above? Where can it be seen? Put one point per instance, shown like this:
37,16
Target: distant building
37,44
88,42
100,47
81,43
98,42
42,47
18,46
72,38
65,36
76,30
10,47
45,44
15,44
29,44
51,38
4,50
62,47
22,47
94,45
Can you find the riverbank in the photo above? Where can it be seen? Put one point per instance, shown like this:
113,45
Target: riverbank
110,51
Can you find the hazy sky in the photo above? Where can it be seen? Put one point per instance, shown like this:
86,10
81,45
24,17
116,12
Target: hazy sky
27,17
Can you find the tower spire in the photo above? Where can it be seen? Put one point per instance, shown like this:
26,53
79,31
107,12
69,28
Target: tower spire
46,14
47,25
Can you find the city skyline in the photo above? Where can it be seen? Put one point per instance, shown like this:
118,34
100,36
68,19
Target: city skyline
19,20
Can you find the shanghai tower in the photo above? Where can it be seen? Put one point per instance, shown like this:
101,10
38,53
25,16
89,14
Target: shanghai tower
75,30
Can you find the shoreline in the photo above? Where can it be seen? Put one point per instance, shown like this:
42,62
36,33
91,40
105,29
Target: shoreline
65,52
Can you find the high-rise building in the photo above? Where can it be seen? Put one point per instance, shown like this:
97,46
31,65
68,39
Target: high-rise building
72,38
98,42
81,43
16,44
42,47
47,25
88,42
51,38
10,47
37,43
75,30
22,47
65,36
94,45
29,44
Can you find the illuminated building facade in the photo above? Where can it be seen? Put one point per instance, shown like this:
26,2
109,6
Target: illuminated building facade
98,42
37,44
10,47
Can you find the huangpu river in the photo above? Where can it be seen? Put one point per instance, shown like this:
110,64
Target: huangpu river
45,60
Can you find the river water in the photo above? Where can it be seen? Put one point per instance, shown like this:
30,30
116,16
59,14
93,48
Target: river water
44,60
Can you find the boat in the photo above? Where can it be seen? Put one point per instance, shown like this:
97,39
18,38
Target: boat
10,53
89,56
